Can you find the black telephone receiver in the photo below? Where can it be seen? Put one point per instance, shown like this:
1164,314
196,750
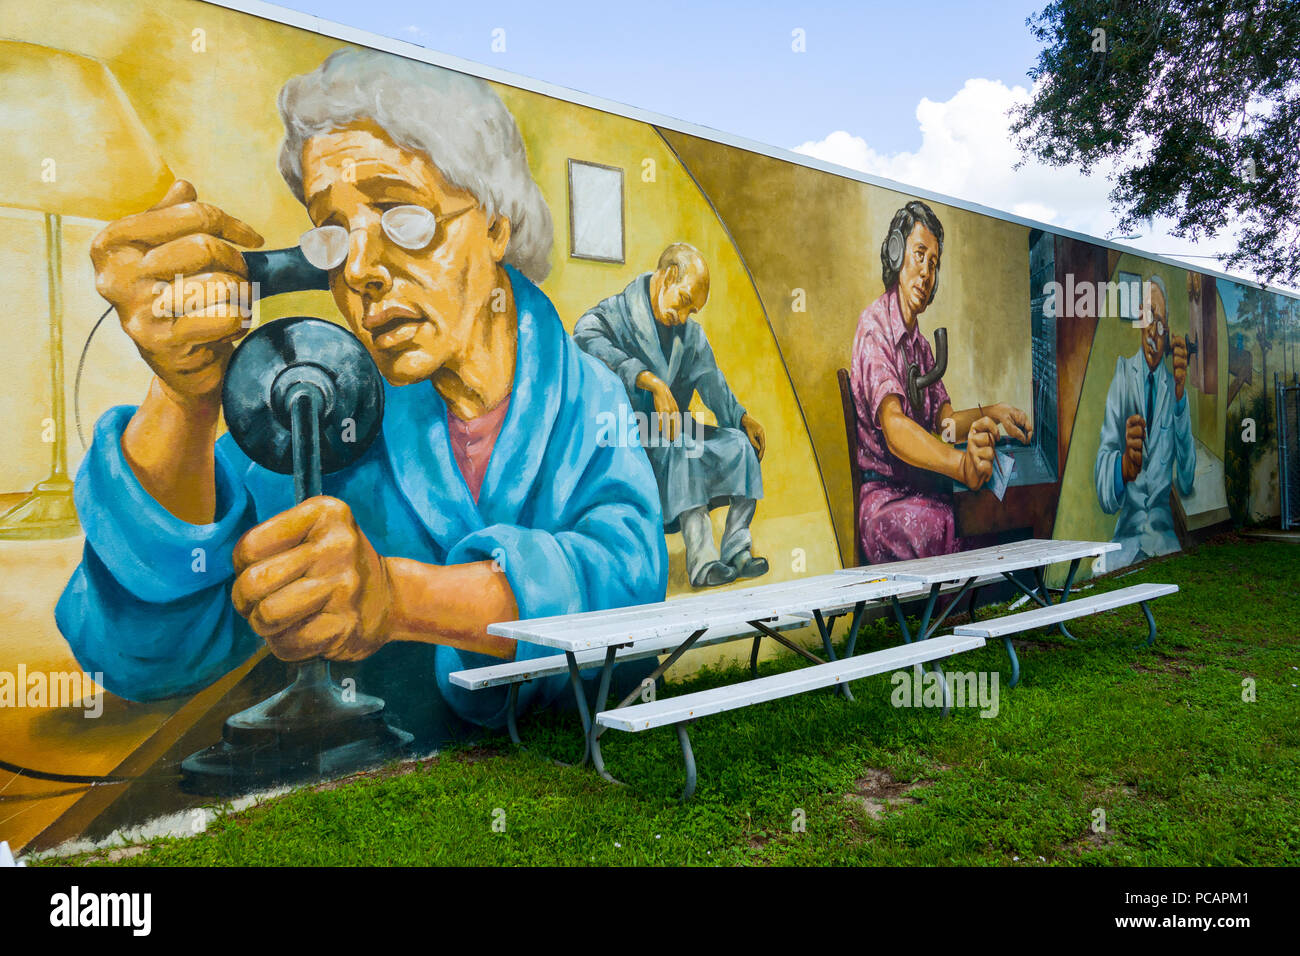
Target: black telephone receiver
1192,347
918,381
284,270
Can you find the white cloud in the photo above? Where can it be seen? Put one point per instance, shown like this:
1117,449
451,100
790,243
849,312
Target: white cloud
967,151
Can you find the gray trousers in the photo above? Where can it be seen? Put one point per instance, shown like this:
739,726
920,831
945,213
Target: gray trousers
697,532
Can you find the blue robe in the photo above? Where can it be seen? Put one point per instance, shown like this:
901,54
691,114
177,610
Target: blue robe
575,524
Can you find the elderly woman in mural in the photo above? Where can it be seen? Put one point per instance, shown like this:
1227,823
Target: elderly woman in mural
1146,437
486,497
905,451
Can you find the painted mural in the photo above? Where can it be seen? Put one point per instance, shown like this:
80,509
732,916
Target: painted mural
911,446
325,358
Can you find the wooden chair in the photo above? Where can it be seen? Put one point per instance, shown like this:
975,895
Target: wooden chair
851,433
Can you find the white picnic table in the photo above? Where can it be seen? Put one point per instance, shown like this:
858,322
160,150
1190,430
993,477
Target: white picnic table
677,625
969,568
690,618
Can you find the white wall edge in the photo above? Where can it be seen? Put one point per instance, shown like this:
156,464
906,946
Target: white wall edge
304,21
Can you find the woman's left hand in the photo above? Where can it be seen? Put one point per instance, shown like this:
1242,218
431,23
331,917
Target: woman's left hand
1013,421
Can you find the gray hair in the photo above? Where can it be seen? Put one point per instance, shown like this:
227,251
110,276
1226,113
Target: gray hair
454,119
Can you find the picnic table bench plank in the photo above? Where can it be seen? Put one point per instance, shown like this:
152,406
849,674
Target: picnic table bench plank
1049,614
671,710
681,711
1079,607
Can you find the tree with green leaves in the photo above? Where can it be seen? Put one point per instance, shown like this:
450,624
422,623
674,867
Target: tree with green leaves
1196,105
1259,309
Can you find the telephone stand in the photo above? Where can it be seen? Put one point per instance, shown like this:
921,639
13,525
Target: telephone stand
301,397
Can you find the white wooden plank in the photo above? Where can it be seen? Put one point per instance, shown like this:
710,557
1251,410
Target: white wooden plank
826,596
740,612
672,710
1077,607
1013,556
532,628
513,672
993,551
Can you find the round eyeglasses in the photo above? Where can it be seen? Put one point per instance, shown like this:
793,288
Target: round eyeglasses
411,227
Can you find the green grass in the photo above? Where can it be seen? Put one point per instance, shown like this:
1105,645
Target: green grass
1160,739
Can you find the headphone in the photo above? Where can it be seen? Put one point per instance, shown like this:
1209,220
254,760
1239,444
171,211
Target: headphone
895,244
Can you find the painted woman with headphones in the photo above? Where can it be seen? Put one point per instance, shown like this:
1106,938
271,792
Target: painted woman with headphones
906,424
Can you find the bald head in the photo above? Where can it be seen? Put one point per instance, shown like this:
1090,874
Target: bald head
679,286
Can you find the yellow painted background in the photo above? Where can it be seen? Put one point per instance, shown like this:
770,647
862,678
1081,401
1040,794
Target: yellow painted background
213,118
802,229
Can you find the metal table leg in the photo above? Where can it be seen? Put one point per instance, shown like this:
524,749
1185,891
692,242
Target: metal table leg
925,616
947,690
825,631
1065,593
927,629
1043,595
1151,626
923,632
594,730
856,622
781,639
512,718
1015,662
580,698
688,758
602,694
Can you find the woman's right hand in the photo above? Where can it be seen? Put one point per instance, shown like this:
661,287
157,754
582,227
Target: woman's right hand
174,278
976,465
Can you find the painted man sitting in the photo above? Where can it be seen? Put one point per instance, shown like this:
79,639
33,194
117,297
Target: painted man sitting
646,335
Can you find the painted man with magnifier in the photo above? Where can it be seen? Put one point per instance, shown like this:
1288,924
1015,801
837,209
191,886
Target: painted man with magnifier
487,496
1146,438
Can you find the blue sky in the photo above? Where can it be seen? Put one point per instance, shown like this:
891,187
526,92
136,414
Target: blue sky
729,65
915,92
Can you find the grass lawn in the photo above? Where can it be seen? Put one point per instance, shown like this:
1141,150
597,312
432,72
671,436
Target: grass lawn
1161,739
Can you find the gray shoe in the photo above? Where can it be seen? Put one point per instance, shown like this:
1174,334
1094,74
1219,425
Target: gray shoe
713,574
747,566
